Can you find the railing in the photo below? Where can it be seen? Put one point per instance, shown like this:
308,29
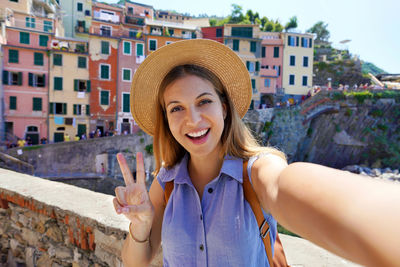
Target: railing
105,17
134,20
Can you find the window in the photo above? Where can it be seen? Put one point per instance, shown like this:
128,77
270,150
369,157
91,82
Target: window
253,83
82,85
235,45
13,102
127,48
152,45
105,47
250,66
276,51
291,41
79,109
80,48
242,32
132,33
310,42
304,42
58,83
267,82
139,49
305,79
82,62
291,79
292,61
105,30
218,33
305,61
36,80
16,1
253,46
130,10
38,59
263,51
171,32
104,97
12,78
104,72
30,22
47,26
43,40
87,12
126,103
126,75
57,59
13,56
257,66
37,104
58,108
297,41
278,70
79,7
24,38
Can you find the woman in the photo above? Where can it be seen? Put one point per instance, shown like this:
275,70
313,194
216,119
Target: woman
190,96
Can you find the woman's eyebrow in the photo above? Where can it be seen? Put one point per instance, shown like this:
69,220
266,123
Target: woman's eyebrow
172,102
203,94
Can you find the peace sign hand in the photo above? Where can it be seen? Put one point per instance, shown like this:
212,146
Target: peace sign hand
133,200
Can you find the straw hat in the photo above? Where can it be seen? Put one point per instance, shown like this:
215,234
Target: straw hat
214,56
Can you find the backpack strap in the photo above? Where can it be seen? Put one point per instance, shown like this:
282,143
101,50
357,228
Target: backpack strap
252,199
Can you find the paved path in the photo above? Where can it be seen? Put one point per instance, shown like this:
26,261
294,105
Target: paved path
302,253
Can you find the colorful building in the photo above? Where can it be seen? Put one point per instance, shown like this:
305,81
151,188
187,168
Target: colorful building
171,16
26,71
215,33
245,41
77,17
69,91
104,41
297,68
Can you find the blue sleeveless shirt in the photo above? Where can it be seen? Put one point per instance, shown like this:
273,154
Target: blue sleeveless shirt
218,230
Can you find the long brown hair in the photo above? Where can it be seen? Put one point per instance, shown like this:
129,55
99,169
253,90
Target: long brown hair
236,138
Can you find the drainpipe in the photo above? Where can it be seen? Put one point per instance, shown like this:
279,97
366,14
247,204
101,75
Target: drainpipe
2,109
117,86
48,96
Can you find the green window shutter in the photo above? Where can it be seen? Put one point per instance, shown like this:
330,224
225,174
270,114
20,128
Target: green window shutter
276,51
235,45
88,110
257,66
139,49
248,65
253,46
105,47
126,75
82,62
43,40
51,108
5,77
263,51
126,103
58,83
64,108
37,104
88,86
153,45
44,80
127,48
13,102
104,98
38,59
33,23
74,107
297,41
104,72
57,59
24,38
27,22
30,82
19,78
310,43
253,83
76,84
47,26
13,56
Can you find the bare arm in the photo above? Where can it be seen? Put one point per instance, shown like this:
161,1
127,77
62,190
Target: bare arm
352,216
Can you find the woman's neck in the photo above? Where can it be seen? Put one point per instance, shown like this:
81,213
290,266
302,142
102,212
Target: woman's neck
203,169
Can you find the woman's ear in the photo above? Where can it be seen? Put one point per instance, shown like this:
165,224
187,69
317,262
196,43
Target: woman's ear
224,110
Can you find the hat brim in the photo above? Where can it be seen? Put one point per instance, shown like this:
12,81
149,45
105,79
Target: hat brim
214,56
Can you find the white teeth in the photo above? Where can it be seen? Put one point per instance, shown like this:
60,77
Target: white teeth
197,134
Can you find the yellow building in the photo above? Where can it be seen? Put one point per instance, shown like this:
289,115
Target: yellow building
245,41
69,89
297,69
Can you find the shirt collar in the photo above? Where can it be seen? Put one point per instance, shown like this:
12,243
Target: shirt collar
231,166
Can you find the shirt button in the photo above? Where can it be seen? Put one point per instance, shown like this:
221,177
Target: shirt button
201,247
201,217
210,190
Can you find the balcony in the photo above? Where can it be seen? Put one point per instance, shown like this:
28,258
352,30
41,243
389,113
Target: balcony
105,17
47,5
268,72
105,32
134,20
81,29
280,91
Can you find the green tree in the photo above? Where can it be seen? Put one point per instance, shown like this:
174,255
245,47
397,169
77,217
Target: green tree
321,30
292,24
236,15
269,26
263,21
213,22
278,26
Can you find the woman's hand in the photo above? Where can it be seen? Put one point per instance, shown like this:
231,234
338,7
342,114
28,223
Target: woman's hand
133,200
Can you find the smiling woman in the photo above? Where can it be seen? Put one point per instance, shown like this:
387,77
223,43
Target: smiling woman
191,96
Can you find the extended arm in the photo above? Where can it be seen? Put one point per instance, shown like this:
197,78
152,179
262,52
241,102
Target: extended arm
355,217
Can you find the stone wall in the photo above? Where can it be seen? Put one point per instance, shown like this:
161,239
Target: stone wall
45,223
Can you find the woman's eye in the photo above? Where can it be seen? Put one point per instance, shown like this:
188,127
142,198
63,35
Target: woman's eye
205,101
174,109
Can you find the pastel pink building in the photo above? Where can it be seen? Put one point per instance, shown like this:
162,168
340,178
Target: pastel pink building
271,65
25,77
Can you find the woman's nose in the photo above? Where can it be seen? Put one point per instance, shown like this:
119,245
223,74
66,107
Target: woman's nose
193,116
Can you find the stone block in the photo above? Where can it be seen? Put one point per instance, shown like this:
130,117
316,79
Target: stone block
63,253
39,227
23,219
109,243
31,237
55,233
104,256
44,261
29,257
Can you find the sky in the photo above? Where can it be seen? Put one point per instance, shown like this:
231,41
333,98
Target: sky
372,26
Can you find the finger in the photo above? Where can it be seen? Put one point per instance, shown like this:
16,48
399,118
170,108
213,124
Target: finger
117,206
120,195
135,209
126,172
140,174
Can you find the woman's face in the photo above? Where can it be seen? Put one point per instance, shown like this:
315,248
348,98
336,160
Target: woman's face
195,114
